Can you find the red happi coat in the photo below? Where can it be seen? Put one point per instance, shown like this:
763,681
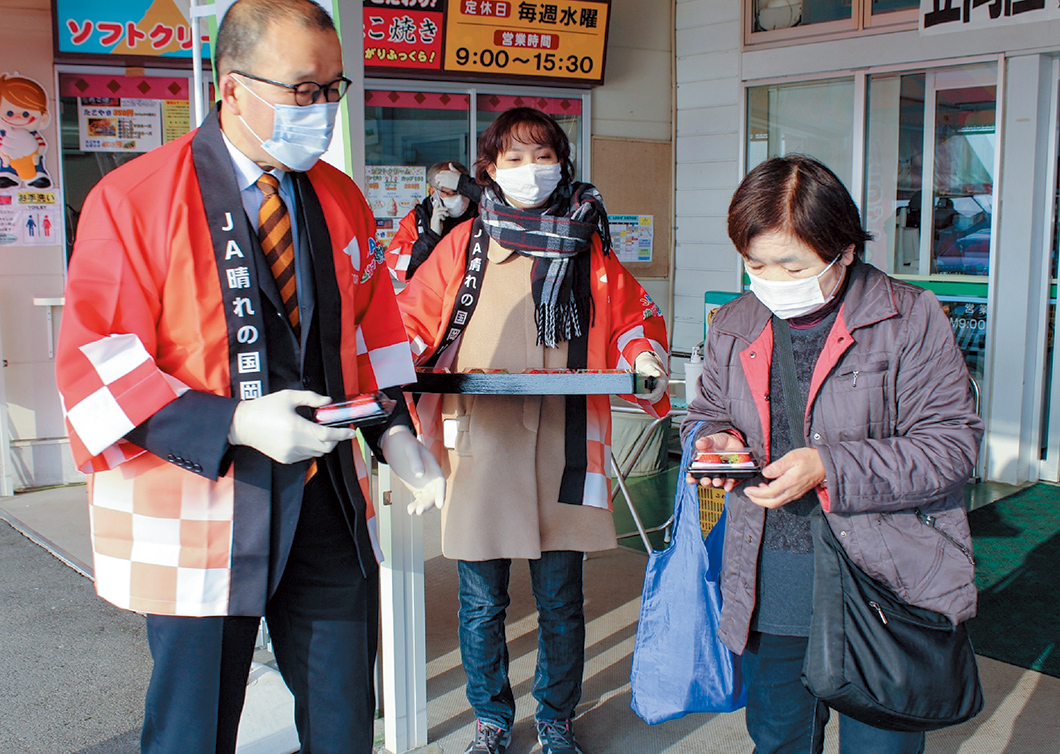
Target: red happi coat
144,321
399,250
626,322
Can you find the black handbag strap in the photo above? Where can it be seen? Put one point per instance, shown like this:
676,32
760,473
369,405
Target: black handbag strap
793,400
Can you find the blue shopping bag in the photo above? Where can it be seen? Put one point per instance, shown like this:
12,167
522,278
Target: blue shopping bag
679,663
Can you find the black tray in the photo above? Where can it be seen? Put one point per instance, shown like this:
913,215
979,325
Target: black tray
549,383
727,474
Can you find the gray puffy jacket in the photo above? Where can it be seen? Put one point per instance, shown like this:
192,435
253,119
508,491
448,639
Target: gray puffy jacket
890,412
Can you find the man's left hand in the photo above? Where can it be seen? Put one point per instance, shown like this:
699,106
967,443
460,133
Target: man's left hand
416,466
648,364
793,475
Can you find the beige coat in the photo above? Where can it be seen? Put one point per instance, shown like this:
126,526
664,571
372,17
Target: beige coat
505,470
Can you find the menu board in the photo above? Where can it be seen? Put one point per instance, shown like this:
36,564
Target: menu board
111,124
392,191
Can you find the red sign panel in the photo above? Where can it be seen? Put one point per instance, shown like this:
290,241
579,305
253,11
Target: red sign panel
402,37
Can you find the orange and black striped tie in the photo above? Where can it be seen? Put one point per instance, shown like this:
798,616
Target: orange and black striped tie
274,232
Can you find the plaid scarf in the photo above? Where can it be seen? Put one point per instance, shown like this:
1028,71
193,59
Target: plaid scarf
553,235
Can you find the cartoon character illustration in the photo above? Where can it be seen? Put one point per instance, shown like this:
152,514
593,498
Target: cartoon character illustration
23,112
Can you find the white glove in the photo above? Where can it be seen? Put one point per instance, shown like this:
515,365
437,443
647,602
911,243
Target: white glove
270,425
647,364
414,465
447,179
438,216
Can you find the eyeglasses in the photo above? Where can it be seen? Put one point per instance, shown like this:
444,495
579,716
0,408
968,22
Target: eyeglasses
308,92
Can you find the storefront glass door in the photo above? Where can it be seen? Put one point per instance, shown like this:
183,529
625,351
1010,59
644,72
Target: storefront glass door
935,129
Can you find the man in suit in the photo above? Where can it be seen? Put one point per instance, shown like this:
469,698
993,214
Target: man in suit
223,287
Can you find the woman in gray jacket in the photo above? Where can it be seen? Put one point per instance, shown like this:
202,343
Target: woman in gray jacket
890,430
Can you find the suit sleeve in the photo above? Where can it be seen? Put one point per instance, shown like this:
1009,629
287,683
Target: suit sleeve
108,379
191,432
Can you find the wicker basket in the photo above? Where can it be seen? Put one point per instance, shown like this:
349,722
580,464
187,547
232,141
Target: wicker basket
711,503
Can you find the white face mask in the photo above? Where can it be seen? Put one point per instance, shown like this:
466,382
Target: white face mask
300,135
530,184
456,204
793,298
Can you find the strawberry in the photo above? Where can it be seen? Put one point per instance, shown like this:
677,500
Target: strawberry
708,458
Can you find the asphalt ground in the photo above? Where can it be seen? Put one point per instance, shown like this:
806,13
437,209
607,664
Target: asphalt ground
73,668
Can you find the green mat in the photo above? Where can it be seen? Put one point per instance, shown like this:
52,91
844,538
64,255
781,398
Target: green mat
1017,551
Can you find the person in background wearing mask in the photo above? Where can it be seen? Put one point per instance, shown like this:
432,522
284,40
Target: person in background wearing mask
221,288
452,198
532,283
890,431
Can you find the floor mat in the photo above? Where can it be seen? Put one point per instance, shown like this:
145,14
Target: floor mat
1017,550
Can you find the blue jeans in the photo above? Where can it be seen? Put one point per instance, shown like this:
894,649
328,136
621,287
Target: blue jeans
784,718
556,578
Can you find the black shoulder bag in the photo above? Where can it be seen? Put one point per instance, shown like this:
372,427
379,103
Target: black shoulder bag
871,655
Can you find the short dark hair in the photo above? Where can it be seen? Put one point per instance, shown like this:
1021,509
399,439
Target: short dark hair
247,21
799,195
525,124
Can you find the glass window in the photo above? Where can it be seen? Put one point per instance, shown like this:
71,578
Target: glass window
894,154
770,15
416,128
107,119
964,146
407,131
813,118
922,123
770,20
567,111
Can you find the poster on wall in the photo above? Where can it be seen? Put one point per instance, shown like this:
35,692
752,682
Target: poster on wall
143,28
631,237
392,191
28,206
110,124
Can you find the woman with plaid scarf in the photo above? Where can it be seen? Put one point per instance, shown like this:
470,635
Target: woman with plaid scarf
531,283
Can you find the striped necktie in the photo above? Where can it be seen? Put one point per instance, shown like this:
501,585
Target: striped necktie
274,233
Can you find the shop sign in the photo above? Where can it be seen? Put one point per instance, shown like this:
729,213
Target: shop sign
119,125
563,42
143,28
938,16
408,36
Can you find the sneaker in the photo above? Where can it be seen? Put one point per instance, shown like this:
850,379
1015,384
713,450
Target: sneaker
489,739
557,737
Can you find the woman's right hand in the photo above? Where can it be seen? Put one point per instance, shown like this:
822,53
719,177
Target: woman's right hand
722,441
